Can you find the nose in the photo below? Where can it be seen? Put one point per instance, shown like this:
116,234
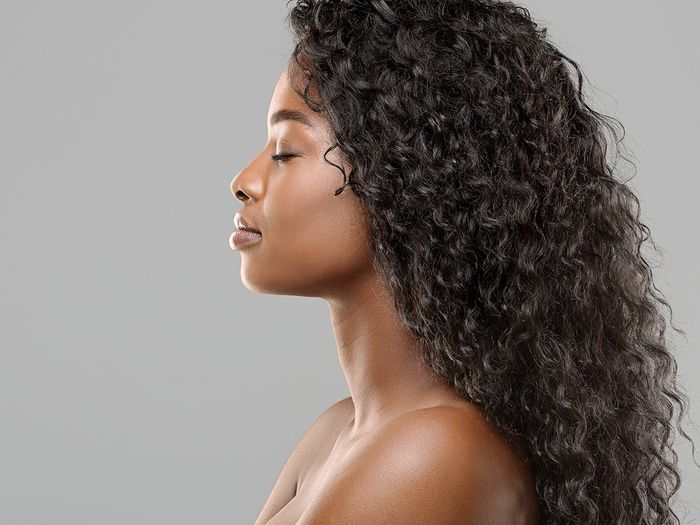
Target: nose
249,183
237,190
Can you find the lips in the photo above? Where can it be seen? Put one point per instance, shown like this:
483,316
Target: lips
244,224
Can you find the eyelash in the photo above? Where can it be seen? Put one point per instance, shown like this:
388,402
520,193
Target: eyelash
283,157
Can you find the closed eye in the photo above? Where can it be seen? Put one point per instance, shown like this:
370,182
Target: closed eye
283,157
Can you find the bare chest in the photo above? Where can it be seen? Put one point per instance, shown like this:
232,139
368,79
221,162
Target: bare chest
328,462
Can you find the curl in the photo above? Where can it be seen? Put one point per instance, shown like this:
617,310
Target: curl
509,245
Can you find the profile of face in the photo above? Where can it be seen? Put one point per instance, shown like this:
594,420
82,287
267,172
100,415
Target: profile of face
313,242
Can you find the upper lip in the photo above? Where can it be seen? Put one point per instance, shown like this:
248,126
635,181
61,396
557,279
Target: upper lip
244,224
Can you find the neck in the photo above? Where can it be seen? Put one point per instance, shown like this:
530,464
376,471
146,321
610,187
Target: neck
380,360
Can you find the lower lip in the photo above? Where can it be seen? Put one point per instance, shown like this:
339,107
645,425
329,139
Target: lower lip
241,238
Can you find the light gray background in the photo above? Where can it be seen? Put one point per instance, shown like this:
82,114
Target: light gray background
140,382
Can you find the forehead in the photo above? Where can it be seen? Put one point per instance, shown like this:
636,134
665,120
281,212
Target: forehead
288,106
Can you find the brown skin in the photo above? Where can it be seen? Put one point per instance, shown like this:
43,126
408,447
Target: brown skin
404,447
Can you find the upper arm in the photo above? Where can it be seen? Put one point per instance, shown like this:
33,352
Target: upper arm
285,486
425,469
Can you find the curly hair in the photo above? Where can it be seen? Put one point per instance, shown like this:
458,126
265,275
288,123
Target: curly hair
509,248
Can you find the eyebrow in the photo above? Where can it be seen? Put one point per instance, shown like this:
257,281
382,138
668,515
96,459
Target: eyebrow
290,114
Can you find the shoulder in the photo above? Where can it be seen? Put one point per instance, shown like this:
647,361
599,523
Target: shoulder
439,464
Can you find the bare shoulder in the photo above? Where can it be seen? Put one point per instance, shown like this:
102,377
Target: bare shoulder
285,486
436,465
493,474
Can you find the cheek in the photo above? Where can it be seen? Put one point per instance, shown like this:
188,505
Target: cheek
314,238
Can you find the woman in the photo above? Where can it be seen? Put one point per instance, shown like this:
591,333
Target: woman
496,323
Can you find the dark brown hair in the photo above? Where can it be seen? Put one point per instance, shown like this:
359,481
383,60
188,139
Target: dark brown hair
510,247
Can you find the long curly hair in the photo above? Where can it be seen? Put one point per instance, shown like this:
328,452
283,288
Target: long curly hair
509,248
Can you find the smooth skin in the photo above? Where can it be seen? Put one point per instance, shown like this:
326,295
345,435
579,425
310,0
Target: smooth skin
404,447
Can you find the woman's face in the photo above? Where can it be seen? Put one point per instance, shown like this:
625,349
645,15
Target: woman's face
313,243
